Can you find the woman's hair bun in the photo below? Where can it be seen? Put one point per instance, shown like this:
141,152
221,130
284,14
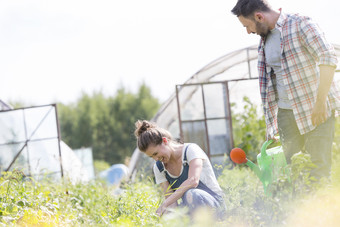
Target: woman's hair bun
142,126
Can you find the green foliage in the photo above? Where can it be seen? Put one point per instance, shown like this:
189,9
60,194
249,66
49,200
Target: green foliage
27,202
248,206
249,129
106,123
301,168
245,200
99,166
335,174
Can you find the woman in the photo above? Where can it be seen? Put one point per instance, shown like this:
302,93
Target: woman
183,170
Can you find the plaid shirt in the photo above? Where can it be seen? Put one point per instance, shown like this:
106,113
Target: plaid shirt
303,49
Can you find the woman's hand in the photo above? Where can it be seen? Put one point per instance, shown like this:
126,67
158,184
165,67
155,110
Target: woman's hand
161,210
195,169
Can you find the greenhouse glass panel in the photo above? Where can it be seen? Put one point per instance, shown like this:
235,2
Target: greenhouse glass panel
9,151
195,132
190,102
21,162
30,141
86,157
12,127
219,136
41,122
238,90
216,100
44,157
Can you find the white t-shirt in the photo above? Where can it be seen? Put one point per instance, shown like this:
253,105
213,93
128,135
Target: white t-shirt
207,176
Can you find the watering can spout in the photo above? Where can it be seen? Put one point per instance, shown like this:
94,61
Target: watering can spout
254,168
239,156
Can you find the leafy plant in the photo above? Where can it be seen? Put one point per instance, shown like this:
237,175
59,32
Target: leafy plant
249,129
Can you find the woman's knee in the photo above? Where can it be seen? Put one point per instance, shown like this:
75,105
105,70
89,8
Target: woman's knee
198,197
188,196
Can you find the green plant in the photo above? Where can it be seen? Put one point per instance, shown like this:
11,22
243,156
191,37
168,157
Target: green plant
249,129
25,201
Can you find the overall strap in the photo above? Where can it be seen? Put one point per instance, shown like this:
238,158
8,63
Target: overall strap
185,160
175,182
160,166
201,185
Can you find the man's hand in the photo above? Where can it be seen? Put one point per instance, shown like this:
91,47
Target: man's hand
319,113
274,138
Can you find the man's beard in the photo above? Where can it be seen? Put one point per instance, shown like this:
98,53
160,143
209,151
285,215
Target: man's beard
262,29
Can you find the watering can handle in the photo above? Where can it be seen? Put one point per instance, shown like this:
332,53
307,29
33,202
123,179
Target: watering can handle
265,145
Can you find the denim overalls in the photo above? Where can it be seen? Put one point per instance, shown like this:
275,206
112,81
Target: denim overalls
194,197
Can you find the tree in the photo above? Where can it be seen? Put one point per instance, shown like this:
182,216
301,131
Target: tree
106,124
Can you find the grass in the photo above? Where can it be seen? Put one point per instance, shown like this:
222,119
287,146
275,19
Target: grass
25,202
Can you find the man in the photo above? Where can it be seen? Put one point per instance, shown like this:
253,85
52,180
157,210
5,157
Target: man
296,67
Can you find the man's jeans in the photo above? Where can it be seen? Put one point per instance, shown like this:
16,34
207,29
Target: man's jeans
318,143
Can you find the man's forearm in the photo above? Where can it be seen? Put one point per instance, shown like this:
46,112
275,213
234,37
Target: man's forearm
326,78
319,113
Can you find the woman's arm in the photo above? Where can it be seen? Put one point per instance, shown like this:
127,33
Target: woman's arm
195,169
167,191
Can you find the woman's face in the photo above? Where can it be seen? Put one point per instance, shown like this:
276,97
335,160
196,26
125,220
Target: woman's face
159,152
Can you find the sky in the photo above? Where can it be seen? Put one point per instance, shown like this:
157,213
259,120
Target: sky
53,51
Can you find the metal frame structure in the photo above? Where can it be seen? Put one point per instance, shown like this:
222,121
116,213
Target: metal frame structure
226,117
29,138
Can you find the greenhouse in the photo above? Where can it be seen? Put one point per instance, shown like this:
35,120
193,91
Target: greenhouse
199,110
30,142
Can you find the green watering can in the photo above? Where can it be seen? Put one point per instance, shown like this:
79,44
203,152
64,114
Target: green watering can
271,166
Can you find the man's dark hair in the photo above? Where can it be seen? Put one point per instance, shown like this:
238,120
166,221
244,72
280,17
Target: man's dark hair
247,8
